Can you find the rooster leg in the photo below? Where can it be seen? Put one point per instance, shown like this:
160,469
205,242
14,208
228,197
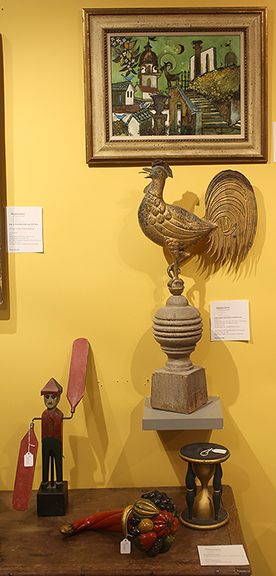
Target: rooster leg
175,284
176,270
173,270
179,257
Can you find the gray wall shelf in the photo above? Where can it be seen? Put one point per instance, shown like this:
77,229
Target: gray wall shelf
207,417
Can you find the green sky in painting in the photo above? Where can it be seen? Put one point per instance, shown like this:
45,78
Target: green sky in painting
170,48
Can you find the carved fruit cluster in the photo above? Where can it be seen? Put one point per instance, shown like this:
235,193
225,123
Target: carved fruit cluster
153,523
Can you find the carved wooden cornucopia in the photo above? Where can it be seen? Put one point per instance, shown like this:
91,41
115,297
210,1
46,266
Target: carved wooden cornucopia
151,522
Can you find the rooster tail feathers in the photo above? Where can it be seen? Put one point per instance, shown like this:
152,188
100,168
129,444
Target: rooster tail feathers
231,204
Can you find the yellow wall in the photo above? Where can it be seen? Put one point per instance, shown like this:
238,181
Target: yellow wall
100,278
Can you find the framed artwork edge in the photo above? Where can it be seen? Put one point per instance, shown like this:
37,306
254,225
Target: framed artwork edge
3,255
103,149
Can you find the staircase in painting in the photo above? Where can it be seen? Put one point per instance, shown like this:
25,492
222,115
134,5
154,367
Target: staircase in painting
212,121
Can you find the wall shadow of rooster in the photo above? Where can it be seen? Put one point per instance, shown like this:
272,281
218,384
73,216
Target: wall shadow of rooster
229,223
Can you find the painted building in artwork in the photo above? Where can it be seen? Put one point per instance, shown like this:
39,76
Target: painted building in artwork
140,123
230,58
148,73
202,61
123,93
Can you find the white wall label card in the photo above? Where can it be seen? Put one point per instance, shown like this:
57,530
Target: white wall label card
24,229
227,555
230,320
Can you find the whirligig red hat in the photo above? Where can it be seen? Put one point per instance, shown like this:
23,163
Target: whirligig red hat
52,387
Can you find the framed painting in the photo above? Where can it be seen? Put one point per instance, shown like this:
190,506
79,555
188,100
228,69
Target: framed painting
185,85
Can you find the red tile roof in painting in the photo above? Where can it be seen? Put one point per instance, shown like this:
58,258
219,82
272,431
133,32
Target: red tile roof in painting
148,89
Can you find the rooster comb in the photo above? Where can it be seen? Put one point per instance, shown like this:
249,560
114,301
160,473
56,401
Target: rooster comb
164,165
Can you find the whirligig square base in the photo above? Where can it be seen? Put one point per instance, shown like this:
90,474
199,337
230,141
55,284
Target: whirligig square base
53,500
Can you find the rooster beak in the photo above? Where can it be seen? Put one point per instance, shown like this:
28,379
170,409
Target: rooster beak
147,170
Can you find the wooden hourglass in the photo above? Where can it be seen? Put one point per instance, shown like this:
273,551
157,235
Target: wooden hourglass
204,462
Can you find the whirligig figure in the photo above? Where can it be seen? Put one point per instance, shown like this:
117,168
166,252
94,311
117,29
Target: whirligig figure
52,497
51,432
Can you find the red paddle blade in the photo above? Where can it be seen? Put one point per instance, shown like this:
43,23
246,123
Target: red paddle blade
25,471
77,374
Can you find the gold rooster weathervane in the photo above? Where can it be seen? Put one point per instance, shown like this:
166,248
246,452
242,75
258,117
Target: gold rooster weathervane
230,220
229,225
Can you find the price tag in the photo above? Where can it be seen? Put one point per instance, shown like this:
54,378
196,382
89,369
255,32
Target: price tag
28,460
125,546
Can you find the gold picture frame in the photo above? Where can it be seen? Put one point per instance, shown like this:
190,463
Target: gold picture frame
132,54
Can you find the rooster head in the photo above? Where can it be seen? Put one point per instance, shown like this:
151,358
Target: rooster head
157,167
